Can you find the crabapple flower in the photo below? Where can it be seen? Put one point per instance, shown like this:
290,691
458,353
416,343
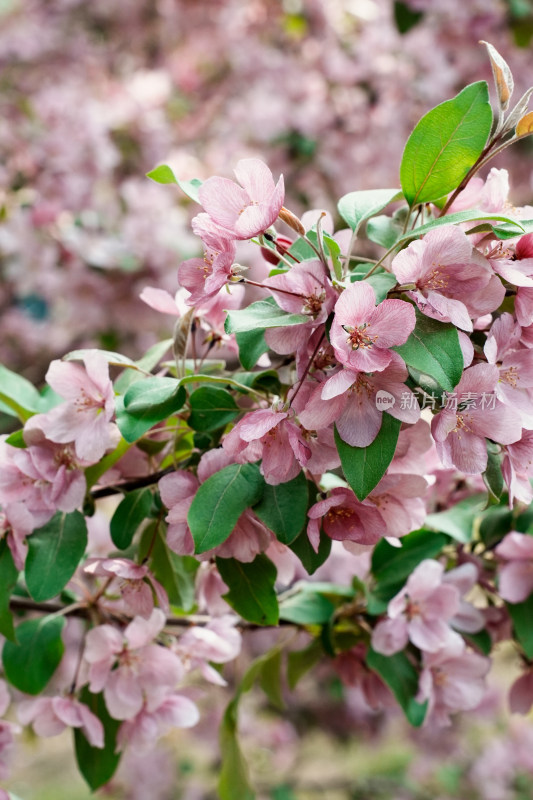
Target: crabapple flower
249,537
85,417
246,210
136,584
398,498
344,518
45,477
49,716
420,613
173,711
304,289
448,274
133,672
353,671
16,523
460,429
516,575
353,401
362,333
219,641
517,468
515,367
521,693
204,277
452,680
273,438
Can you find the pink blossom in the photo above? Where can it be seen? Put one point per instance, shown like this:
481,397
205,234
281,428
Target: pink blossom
352,670
448,274
515,367
85,417
273,438
219,641
468,618
173,711
343,517
362,333
489,195
420,613
521,693
136,584
516,575
249,537
517,468
16,522
49,716
460,430
204,277
246,210
304,289
351,400
45,477
398,498
145,673
452,680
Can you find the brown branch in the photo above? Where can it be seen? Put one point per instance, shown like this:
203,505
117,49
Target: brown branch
18,603
128,486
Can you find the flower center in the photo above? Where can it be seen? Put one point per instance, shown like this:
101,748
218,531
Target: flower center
510,376
436,280
357,337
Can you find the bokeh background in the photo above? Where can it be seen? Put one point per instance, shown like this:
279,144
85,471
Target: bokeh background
96,93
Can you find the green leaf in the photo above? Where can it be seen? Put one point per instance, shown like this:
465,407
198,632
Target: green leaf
116,359
364,467
175,573
459,520
251,346
234,780
8,579
147,362
356,207
283,508
30,664
266,380
212,408
304,550
391,566
301,661
95,764
492,477
153,394
261,314
307,608
402,678
164,174
133,509
54,552
447,141
433,348
456,219
384,230
406,17
334,250
18,397
220,501
521,615
481,640
251,588
270,678
134,425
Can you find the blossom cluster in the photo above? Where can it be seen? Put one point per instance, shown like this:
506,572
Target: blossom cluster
162,507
